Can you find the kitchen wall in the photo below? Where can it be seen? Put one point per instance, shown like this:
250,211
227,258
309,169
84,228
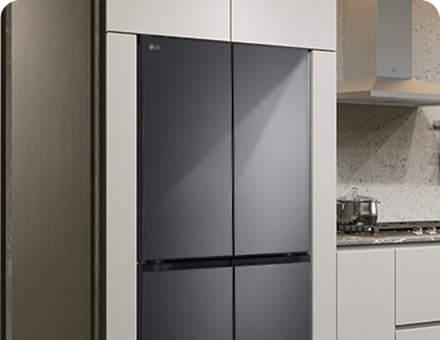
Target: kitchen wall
51,170
393,153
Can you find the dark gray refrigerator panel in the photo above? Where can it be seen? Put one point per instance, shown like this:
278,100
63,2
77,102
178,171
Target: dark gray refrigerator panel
272,149
188,305
273,302
185,154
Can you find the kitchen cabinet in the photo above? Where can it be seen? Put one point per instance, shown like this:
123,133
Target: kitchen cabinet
417,282
307,24
180,18
295,23
365,295
394,288
427,333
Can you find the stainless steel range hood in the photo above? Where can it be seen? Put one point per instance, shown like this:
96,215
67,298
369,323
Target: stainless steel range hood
378,56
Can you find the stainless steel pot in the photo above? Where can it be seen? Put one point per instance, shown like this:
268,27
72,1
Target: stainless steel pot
356,209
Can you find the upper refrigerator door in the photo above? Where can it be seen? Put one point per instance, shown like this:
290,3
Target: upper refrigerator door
185,177
272,149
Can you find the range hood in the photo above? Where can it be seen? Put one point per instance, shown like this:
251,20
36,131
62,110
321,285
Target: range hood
378,56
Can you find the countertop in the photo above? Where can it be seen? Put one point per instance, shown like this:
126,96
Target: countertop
388,237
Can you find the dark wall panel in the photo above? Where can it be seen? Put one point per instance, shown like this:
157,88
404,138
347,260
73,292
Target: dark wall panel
51,170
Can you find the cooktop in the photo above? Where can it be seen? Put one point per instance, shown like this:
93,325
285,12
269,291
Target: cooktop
416,227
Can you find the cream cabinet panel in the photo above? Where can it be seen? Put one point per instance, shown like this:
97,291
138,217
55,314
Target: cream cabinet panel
428,333
201,19
417,285
121,263
323,120
366,295
297,23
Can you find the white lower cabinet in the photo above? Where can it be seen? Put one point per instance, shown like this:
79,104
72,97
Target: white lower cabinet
366,295
389,294
417,285
428,333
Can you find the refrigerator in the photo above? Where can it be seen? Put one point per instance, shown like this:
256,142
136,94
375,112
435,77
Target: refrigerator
223,191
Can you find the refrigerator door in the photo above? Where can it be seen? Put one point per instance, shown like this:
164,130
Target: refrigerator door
273,302
185,148
272,149
187,305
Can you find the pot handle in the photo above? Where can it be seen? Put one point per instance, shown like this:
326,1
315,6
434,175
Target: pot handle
355,191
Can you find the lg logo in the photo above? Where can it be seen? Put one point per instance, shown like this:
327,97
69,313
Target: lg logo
154,47
4,3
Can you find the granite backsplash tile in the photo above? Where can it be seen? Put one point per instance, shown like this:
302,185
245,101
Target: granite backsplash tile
393,153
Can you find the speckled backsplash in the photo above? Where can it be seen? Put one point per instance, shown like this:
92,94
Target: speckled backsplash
393,153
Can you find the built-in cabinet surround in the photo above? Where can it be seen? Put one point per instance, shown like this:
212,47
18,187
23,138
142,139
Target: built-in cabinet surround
296,23
196,19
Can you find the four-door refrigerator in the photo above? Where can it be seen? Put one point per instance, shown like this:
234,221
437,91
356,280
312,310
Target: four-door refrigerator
223,191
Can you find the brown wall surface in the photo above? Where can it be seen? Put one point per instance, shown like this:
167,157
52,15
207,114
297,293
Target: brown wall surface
51,170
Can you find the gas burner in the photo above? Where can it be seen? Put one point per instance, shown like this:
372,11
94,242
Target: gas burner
415,227
431,230
350,228
417,230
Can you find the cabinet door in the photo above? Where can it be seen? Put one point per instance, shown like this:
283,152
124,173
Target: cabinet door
417,285
296,23
180,18
428,333
187,305
185,153
273,302
271,149
366,295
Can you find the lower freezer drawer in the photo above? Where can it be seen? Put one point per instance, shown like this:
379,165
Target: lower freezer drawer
245,302
187,305
273,302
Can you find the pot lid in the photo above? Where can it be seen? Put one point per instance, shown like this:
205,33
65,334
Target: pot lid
354,196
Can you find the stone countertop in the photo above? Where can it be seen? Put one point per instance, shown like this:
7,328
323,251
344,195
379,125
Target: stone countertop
389,237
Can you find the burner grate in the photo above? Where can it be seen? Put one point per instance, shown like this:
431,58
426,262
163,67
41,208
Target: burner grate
416,227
